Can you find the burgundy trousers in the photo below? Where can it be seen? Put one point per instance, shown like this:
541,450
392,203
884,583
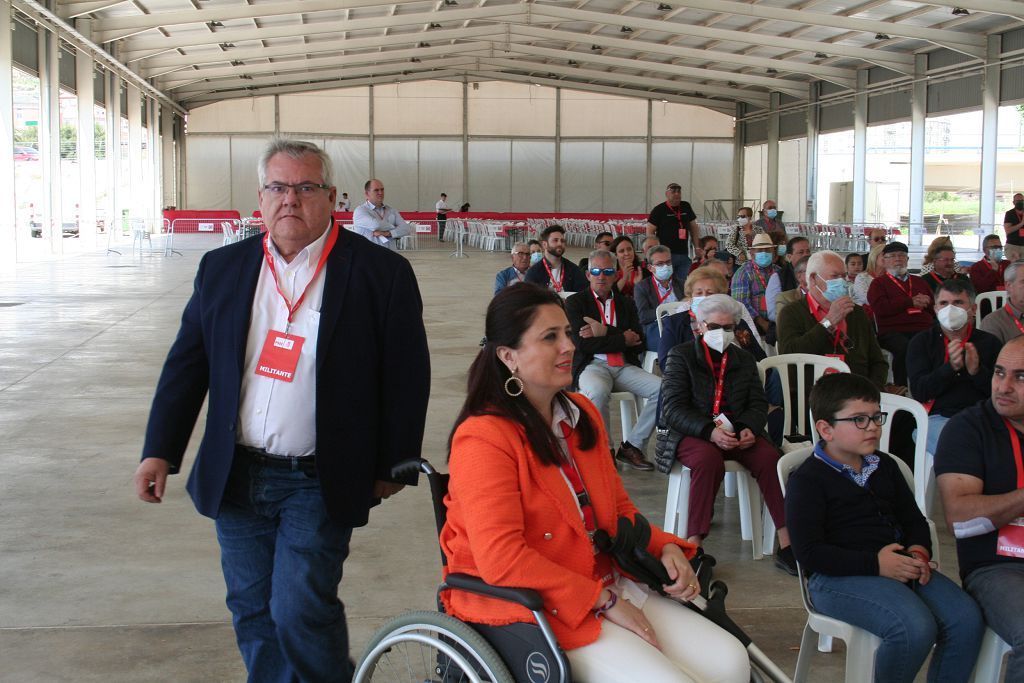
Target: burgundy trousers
707,470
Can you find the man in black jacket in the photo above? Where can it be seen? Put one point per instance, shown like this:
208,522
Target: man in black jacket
609,340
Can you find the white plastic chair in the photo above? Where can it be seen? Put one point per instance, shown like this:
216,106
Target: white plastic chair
628,414
800,361
924,464
230,234
990,658
141,232
861,645
995,299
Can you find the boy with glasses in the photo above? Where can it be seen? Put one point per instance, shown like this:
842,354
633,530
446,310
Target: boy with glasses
865,547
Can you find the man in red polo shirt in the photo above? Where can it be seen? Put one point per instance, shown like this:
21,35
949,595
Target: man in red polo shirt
902,304
987,274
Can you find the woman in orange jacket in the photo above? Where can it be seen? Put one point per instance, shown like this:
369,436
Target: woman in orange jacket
531,480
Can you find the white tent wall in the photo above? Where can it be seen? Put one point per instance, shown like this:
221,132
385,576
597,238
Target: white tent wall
755,173
792,178
417,136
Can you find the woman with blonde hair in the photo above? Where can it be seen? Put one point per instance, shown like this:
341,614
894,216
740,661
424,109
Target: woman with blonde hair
872,269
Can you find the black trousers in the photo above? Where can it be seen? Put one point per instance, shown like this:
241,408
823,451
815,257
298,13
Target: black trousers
442,220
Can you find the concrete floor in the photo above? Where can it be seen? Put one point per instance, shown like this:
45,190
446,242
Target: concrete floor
98,586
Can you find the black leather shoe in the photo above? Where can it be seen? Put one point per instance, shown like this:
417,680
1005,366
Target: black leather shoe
631,455
785,560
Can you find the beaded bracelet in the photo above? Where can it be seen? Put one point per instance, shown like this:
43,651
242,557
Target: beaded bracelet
608,605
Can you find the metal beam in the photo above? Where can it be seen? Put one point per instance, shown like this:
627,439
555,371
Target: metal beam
236,35
617,78
166,62
170,81
79,9
1009,8
840,76
904,61
697,75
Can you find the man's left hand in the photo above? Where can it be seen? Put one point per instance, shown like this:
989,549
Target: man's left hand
386,489
971,359
747,439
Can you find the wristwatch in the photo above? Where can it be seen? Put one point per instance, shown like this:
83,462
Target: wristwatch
826,323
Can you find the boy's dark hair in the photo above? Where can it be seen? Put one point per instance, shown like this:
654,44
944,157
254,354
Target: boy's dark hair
955,286
550,229
854,254
831,393
707,238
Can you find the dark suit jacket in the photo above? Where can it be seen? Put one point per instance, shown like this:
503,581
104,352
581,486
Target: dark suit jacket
645,295
372,364
583,304
573,278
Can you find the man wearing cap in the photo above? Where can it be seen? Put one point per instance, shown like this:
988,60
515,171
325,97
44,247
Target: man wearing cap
902,304
1008,322
750,283
674,223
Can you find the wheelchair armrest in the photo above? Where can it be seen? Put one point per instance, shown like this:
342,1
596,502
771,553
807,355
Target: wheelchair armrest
528,598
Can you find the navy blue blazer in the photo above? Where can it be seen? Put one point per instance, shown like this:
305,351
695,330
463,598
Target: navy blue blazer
372,365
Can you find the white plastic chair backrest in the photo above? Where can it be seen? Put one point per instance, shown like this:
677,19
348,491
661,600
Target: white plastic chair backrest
995,299
228,229
801,361
785,466
565,295
664,310
923,462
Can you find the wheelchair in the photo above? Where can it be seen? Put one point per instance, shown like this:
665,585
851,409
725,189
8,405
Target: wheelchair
434,647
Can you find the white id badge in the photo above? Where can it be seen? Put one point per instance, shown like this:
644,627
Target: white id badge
723,423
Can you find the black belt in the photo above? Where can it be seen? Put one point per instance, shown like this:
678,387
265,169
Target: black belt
306,464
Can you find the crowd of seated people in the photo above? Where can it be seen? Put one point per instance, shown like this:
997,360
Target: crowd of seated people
750,293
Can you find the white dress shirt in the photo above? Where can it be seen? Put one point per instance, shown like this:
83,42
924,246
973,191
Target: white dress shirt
367,218
442,205
608,318
279,416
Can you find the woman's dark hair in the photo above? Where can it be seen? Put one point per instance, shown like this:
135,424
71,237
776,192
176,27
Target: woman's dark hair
509,315
831,393
615,245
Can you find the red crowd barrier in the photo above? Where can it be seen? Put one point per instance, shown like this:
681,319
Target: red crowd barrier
199,221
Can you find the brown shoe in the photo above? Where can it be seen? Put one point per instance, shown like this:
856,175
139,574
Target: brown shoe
631,455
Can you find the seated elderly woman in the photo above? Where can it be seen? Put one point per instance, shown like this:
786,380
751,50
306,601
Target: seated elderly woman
712,396
531,481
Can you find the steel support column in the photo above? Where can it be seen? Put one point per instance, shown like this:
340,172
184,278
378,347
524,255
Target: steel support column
990,131
860,146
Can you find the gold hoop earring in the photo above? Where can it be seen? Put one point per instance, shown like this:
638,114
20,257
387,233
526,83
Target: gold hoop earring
518,384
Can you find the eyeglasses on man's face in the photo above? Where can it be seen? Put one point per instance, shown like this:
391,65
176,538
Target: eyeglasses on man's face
862,421
301,189
602,271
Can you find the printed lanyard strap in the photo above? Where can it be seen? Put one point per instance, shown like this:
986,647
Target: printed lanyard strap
1015,442
719,379
1015,319
574,477
561,275
331,239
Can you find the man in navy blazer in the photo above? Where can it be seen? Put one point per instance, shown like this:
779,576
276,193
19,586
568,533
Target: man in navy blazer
311,347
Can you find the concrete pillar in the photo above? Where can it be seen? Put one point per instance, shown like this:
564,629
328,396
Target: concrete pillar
115,198
277,115
990,131
373,142
155,153
465,142
739,154
84,69
558,149
860,146
136,204
813,122
8,222
169,180
918,114
649,153
49,139
772,182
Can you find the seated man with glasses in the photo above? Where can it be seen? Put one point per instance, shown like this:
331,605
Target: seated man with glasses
602,241
865,547
515,273
609,339
377,222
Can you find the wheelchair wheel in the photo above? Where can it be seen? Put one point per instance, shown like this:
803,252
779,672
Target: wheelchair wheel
430,647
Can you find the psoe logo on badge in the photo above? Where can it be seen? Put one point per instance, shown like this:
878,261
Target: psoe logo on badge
537,668
284,343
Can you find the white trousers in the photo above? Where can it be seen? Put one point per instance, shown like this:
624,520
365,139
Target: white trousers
694,650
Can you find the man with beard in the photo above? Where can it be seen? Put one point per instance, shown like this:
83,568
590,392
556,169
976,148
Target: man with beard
902,304
553,271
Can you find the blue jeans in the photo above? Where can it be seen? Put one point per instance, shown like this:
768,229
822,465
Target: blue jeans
282,562
999,589
909,619
680,265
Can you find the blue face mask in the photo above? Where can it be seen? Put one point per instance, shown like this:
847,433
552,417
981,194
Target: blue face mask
663,272
763,259
771,213
694,302
836,289
995,254
535,257
781,250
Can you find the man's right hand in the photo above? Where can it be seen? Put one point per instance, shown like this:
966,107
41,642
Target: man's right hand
922,301
151,479
839,309
632,338
724,440
893,565
955,349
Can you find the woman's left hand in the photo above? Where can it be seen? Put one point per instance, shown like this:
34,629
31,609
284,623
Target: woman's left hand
684,582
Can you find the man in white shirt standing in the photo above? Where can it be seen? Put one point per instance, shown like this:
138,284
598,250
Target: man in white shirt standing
442,209
377,222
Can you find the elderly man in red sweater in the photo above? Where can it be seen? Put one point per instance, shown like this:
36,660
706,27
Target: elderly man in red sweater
902,304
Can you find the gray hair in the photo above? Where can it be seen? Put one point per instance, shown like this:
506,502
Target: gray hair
658,249
519,244
1011,271
599,253
296,149
719,303
817,260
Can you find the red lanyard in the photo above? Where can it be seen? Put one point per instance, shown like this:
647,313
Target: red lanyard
600,307
1015,442
678,214
910,285
573,475
764,288
967,338
936,277
657,291
719,380
331,239
557,286
1014,318
819,315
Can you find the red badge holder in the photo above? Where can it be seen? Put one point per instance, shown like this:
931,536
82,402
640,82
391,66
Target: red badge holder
280,356
1011,539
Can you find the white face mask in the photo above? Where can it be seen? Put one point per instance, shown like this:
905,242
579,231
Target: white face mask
742,220
718,339
953,317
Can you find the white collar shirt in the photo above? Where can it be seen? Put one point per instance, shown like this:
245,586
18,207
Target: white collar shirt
662,291
608,317
279,416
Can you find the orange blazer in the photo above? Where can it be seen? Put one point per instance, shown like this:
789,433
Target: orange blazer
513,521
